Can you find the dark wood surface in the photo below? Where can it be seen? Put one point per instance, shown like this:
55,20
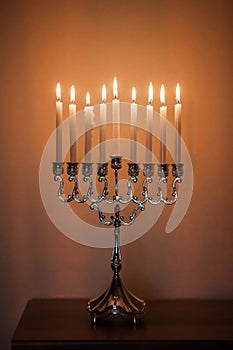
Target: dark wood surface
167,324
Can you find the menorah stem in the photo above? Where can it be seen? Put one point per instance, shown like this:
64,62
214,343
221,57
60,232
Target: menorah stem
117,299
116,182
116,255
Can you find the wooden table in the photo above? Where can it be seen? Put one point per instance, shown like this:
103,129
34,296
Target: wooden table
56,324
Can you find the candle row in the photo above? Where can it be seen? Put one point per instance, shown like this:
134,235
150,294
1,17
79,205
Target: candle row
116,121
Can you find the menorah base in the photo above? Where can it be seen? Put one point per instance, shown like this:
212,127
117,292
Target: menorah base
116,300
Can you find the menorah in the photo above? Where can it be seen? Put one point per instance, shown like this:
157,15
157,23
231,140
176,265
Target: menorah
117,299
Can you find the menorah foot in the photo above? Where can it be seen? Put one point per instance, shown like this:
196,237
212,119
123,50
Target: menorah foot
117,300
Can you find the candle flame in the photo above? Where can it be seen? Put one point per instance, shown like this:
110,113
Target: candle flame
88,99
133,94
162,95
150,95
104,93
58,91
178,93
115,91
72,94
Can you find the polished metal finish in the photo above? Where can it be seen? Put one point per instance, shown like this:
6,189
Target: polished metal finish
87,169
102,169
116,162
163,170
117,299
58,168
177,169
72,169
133,169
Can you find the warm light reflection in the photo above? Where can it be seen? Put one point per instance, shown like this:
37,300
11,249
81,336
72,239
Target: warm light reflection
72,94
104,93
133,94
162,95
178,93
150,95
88,99
58,91
115,91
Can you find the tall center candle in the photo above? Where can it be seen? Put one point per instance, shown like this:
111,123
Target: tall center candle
149,125
58,122
72,115
88,110
133,130
116,119
163,116
103,116
177,112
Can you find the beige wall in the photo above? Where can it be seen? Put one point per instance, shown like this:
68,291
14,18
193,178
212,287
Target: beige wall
87,43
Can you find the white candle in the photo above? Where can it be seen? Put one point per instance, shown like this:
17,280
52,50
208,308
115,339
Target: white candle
88,126
177,112
72,115
103,116
163,116
133,130
116,118
149,118
58,122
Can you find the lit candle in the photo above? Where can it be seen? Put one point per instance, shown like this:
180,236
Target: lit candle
163,116
88,126
103,116
149,117
58,122
72,114
133,130
116,118
177,112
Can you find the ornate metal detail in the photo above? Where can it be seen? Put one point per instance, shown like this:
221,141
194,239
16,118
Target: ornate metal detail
117,299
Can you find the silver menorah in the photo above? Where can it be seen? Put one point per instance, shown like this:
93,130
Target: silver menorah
117,299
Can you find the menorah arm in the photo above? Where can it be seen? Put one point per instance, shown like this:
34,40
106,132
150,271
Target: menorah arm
60,191
132,217
95,205
177,172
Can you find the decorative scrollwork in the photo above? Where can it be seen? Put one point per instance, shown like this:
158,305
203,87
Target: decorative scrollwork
133,172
